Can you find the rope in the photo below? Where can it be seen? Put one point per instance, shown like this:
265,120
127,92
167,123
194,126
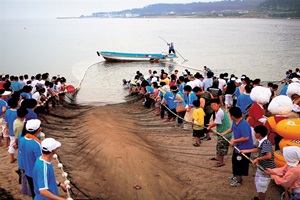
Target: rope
259,166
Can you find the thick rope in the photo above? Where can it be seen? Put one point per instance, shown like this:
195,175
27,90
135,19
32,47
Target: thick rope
64,174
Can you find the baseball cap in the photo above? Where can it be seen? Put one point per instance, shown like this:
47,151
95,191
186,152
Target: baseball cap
33,125
49,144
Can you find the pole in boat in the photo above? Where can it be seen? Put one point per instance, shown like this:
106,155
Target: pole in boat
175,50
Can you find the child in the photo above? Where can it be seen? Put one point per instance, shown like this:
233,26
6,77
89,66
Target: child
198,126
265,159
3,107
10,116
222,122
288,176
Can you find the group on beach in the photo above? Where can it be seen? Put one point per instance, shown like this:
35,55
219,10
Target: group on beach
24,104
241,110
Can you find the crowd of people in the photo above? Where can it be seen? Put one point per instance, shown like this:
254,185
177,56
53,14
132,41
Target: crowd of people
24,104
239,107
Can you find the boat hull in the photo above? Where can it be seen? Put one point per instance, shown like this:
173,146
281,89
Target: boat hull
134,57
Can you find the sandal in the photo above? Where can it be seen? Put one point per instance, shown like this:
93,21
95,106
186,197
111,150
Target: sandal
219,164
196,145
213,158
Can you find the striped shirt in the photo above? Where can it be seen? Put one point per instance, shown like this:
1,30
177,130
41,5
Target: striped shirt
264,147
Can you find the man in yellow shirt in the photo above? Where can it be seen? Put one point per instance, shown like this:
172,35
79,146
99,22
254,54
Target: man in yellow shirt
165,79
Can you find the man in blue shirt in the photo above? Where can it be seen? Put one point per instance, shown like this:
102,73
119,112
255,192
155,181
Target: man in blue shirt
171,48
242,140
45,184
16,86
31,149
244,100
190,97
168,100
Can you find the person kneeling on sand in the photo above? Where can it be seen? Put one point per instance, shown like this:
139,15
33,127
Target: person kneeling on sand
265,160
222,122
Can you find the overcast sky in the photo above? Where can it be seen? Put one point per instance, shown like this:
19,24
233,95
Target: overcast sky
64,8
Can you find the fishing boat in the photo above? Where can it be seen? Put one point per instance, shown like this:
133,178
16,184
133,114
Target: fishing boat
130,57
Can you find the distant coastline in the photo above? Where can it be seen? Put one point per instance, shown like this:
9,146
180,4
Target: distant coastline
258,16
220,9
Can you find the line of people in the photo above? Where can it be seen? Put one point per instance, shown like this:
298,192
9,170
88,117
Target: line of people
23,104
196,99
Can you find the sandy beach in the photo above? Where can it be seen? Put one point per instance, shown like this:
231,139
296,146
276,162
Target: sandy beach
125,151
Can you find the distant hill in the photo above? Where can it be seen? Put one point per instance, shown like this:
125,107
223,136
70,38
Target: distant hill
163,9
230,8
281,8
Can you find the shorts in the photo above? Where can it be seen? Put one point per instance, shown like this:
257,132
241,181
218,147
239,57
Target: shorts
199,133
222,147
240,164
228,99
261,181
3,127
11,148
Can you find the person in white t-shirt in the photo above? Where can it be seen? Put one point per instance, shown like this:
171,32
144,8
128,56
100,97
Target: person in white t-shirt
222,82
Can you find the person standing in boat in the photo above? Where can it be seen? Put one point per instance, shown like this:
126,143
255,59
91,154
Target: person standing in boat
171,48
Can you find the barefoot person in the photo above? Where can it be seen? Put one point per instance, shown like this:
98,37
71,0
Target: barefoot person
10,116
3,108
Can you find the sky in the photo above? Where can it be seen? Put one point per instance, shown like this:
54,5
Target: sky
72,8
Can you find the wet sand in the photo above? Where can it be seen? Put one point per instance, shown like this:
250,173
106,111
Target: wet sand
108,150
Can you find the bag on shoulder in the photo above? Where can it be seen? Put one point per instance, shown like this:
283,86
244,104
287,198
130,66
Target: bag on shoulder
246,117
214,91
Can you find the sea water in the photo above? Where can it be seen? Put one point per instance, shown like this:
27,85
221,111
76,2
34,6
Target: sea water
259,48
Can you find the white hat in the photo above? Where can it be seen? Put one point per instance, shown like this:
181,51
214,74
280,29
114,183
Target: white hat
166,88
154,79
238,80
291,155
33,125
4,93
295,80
233,79
49,144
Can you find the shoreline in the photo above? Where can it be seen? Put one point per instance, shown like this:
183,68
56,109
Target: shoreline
250,16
